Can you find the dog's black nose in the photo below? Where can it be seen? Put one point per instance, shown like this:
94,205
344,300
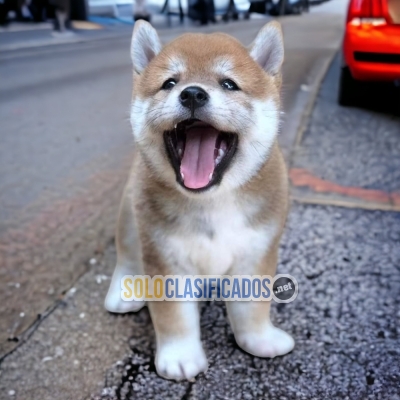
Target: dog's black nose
193,97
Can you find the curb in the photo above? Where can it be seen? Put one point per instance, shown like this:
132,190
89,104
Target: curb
306,115
51,41
321,201
308,188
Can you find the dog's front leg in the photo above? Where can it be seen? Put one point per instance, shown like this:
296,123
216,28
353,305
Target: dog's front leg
180,354
129,258
251,323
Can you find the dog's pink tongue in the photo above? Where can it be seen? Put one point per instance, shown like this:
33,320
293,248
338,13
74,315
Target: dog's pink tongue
198,157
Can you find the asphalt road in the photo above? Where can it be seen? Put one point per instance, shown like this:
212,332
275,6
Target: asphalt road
66,149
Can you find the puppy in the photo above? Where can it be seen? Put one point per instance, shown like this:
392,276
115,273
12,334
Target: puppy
208,190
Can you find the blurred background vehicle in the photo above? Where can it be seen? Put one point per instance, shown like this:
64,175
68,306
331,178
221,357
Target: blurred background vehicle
227,9
371,47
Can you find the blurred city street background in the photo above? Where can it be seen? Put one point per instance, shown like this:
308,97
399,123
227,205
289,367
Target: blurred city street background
65,153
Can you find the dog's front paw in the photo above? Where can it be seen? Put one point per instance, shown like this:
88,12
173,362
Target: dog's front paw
271,342
181,359
115,304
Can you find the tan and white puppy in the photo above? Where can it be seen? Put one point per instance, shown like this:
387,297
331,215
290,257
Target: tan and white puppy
208,190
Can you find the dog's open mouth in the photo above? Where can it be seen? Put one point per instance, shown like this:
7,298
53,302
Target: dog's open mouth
199,153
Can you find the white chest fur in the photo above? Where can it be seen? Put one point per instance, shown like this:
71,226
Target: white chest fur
216,238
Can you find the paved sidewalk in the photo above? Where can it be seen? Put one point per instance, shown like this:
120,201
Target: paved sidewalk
41,35
343,320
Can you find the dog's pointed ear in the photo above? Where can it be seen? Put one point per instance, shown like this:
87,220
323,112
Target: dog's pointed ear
267,48
145,45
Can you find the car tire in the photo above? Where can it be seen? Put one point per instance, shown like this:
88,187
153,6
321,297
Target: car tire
348,88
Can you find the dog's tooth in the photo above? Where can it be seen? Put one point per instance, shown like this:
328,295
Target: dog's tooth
180,152
210,177
221,154
183,176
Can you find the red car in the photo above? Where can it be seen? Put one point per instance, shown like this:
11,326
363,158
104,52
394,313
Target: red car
371,46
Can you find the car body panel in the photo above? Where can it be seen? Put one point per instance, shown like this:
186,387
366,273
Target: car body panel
368,39
365,46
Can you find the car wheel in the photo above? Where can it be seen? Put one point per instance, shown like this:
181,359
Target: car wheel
348,88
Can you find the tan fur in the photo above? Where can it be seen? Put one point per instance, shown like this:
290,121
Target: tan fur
208,48
155,210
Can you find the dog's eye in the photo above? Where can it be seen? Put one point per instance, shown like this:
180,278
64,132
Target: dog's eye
228,84
168,84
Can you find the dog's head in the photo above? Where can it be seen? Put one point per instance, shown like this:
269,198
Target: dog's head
205,109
